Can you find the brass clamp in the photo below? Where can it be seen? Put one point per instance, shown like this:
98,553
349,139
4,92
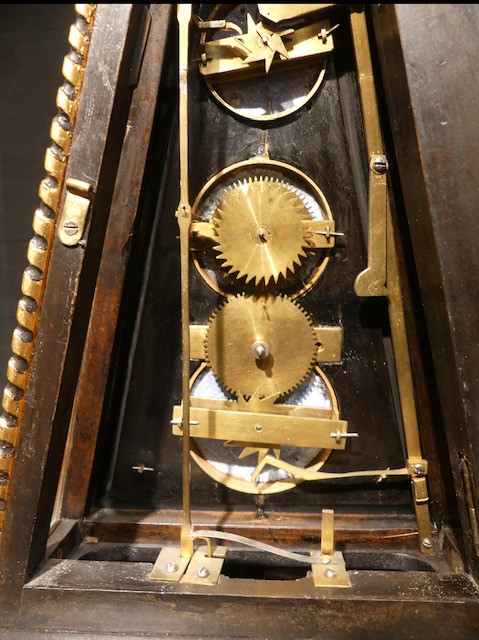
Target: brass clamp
75,211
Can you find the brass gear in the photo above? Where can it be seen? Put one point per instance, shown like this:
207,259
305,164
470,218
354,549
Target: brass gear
260,346
260,231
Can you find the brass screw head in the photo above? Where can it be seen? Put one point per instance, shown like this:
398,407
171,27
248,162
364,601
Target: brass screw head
379,164
70,227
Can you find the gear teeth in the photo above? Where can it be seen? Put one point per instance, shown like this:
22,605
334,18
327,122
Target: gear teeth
280,316
244,259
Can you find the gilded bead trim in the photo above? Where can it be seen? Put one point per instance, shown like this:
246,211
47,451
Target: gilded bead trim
39,249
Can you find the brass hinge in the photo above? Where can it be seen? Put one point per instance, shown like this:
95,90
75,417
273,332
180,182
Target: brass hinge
75,211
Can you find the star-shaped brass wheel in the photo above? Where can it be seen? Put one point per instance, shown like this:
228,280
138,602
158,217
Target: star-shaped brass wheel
261,43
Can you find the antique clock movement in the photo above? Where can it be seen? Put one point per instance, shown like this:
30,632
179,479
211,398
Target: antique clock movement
228,411
261,412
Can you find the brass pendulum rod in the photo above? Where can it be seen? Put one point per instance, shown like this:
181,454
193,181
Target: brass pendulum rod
183,215
382,274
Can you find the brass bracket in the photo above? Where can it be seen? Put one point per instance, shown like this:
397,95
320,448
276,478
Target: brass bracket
372,281
332,574
75,211
255,427
417,468
329,340
204,567
332,570
169,566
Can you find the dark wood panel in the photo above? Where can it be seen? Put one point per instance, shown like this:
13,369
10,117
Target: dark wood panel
50,394
92,380
117,597
370,530
430,85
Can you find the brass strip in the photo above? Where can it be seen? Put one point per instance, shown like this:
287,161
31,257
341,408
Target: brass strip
327,534
406,392
329,339
421,506
261,546
371,281
197,341
383,268
401,349
260,428
39,250
282,409
306,474
184,222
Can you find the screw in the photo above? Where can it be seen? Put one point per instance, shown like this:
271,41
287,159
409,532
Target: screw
70,228
260,349
379,164
427,542
203,572
419,469
171,567
330,574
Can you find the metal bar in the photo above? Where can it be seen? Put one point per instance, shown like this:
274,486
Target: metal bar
371,281
382,275
261,546
184,222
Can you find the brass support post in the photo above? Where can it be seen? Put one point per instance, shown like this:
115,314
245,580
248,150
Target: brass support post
184,222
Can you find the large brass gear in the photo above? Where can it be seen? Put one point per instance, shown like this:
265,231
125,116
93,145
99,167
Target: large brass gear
260,230
260,346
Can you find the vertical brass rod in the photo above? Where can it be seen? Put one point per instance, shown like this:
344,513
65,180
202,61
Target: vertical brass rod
359,32
372,281
184,222
401,350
